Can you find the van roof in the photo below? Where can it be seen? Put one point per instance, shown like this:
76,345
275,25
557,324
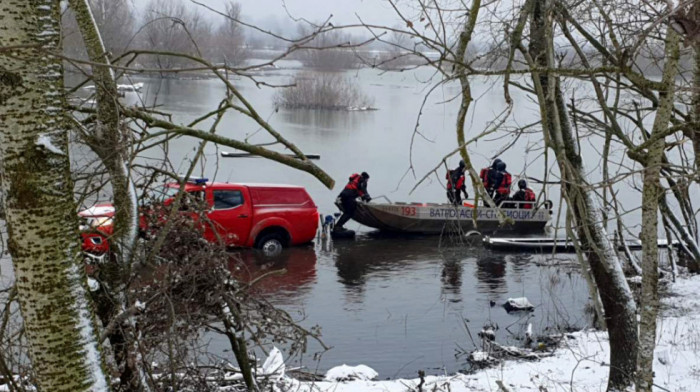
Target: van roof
247,184
264,185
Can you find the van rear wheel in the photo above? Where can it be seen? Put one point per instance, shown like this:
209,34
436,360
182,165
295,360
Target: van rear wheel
271,244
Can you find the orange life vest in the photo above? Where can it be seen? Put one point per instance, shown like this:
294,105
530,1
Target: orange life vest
484,175
504,187
354,184
457,182
529,196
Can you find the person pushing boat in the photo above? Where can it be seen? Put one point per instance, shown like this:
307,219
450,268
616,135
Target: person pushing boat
346,201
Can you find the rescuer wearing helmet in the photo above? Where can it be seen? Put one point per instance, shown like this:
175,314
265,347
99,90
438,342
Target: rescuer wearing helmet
484,175
456,184
489,178
501,182
356,187
524,194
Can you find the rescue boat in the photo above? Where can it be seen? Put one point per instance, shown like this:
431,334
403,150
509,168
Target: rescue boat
433,218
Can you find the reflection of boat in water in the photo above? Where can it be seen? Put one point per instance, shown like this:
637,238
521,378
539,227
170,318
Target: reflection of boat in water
431,218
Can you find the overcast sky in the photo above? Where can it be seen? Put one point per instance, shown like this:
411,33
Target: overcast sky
343,11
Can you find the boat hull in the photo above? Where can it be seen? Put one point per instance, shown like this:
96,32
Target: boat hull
559,244
425,218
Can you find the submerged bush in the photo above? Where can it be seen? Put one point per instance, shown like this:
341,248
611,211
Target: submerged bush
323,91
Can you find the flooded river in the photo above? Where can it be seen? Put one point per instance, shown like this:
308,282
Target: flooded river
395,304
402,304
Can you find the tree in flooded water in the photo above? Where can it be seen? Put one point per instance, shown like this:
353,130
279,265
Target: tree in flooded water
612,49
325,91
39,206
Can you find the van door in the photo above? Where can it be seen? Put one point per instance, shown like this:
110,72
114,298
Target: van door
231,215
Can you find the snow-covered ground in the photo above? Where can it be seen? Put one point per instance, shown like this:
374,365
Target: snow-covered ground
579,365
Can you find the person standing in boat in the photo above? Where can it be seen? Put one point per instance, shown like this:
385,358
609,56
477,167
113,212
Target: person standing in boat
456,184
501,182
524,194
488,177
356,187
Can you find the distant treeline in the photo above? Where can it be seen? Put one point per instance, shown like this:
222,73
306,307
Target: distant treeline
176,26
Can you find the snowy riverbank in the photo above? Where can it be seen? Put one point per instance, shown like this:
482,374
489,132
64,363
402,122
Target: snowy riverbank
580,364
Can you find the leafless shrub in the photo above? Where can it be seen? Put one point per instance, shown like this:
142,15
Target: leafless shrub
189,288
324,91
329,51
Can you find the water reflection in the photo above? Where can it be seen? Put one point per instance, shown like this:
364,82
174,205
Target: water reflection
491,273
378,257
325,120
288,276
451,279
519,264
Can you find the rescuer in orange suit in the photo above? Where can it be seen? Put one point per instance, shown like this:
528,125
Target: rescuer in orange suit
488,177
456,184
501,182
356,187
524,194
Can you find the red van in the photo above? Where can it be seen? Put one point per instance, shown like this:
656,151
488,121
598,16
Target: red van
264,216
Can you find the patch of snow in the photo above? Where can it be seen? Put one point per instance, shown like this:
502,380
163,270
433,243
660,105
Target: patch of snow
134,214
88,341
44,140
274,364
487,333
479,356
98,210
46,33
93,284
140,306
520,303
359,108
129,87
350,373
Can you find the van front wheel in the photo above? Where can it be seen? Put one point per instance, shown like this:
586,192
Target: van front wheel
271,244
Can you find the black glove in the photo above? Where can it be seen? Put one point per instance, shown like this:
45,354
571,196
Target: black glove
366,198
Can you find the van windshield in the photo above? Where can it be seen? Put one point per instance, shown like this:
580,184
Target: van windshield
170,192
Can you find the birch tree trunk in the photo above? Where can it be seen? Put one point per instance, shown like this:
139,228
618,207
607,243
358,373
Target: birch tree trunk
40,211
615,295
651,193
109,140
